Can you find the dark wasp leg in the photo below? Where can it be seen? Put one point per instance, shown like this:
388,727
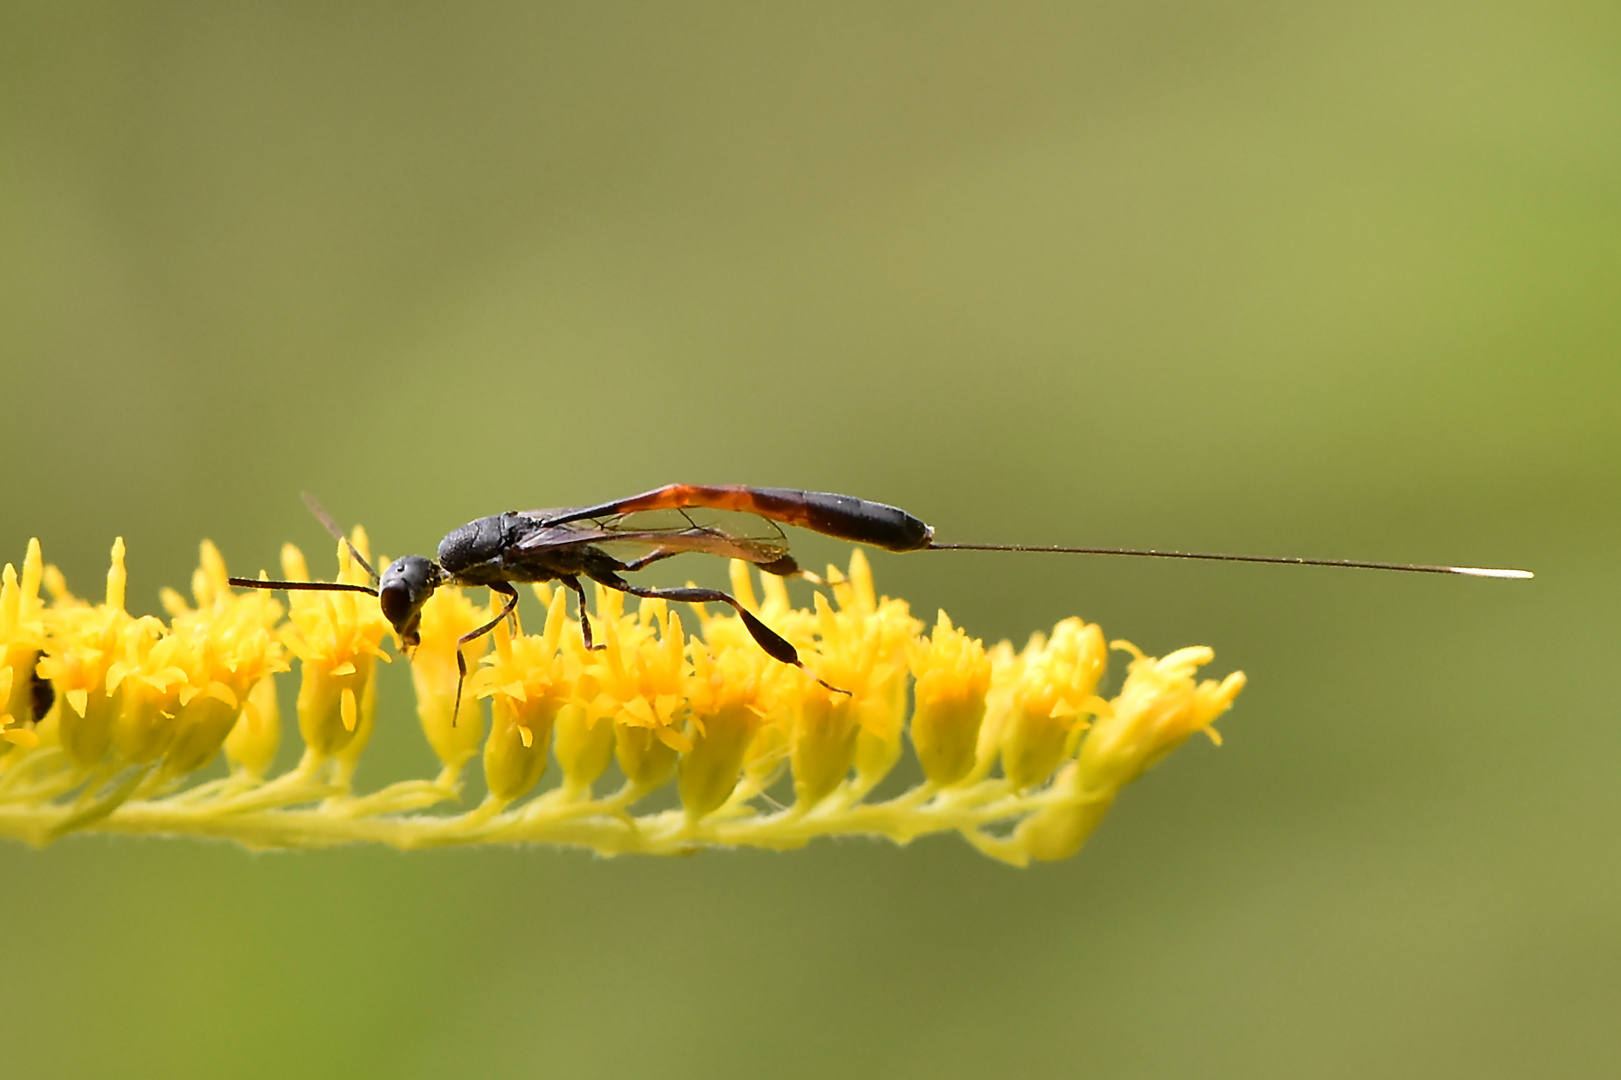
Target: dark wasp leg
511,594
783,566
646,560
775,645
585,621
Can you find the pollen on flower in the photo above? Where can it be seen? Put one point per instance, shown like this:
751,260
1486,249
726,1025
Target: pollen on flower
108,720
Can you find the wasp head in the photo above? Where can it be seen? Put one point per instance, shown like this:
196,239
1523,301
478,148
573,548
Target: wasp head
402,590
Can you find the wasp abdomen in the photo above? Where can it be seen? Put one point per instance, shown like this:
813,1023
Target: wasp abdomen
848,518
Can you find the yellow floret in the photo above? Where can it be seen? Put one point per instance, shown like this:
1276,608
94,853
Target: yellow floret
337,637
528,680
953,676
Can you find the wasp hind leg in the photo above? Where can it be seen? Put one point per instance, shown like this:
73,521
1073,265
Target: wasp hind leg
646,560
775,645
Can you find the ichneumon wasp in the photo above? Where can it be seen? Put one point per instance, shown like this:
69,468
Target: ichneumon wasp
570,543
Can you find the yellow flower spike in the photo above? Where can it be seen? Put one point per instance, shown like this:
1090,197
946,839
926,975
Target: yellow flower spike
529,680
1051,700
719,714
724,694
337,637
953,675
446,616
252,744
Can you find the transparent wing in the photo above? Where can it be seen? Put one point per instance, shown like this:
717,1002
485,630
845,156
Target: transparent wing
728,534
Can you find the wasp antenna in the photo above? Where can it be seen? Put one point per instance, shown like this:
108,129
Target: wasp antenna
1285,560
300,586
332,527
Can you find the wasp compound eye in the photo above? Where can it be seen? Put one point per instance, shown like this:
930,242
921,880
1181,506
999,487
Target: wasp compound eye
404,587
395,601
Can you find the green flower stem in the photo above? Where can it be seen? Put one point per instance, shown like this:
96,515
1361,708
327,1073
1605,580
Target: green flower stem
269,816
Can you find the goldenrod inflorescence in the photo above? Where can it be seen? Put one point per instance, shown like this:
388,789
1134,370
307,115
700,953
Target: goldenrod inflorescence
106,720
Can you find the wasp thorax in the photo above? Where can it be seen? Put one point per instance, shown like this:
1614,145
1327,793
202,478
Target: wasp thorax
474,543
402,590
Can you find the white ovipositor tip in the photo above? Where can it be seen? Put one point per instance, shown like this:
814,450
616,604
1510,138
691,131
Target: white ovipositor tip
1487,571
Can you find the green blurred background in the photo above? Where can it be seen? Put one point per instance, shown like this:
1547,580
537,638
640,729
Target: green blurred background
1260,277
